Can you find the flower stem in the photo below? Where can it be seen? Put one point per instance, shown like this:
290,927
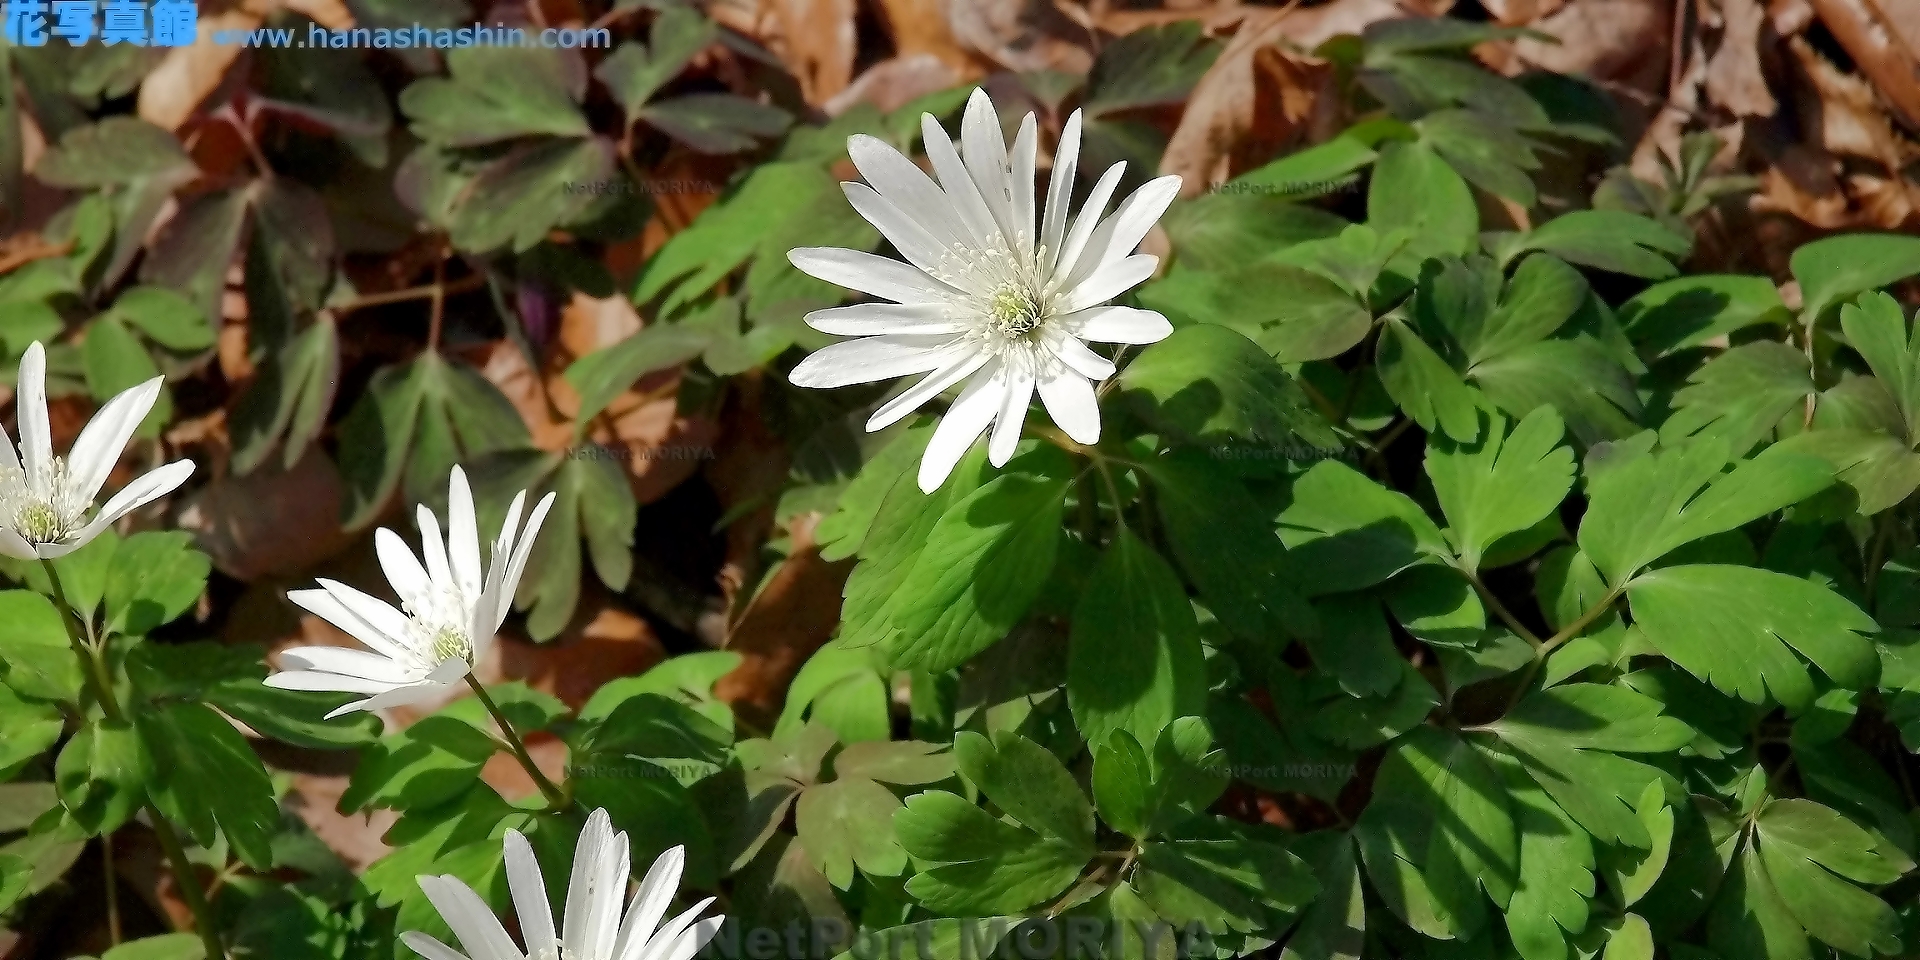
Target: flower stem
556,798
93,662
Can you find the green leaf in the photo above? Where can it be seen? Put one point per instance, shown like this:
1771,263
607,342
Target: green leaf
1423,385
1415,190
1209,384
1122,784
495,93
1608,239
1030,784
1355,645
1224,876
153,578
839,823
716,123
102,775
1686,312
293,716
290,396
116,361
726,234
521,197
1134,657
688,679
634,73
1345,532
1150,67
428,762
166,317
1438,831
1643,505
982,565
171,946
1740,396
1212,235
842,533
1238,567
1810,852
1834,269
1294,314
893,547
1550,902
36,659
1877,328
208,775
31,728
1732,626
1500,485
980,865
117,150
1334,925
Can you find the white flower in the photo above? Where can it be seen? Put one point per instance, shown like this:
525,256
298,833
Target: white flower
448,611
984,298
592,924
44,499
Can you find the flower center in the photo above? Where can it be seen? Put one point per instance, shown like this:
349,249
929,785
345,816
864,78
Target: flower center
1013,312
38,523
451,642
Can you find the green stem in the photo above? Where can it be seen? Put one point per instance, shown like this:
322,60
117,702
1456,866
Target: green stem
93,661
556,798
1500,609
1571,630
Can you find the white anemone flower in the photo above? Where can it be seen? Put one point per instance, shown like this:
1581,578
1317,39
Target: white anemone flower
449,611
986,297
593,928
44,499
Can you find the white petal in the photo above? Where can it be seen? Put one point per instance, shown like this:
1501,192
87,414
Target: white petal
463,535
908,236
105,437
1088,220
908,187
36,435
328,682
607,898
433,548
522,549
986,158
664,942
875,319
14,545
1026,147
1066,157
368,619
1123,231
529,890
958,184
963,424
350,663
479,930
1079,358
690,942
650,903
870,274
404,573
430,948
584,883
143,490
1012,416
1108,282
1117,325
422,692
870,360
966,361
1071,402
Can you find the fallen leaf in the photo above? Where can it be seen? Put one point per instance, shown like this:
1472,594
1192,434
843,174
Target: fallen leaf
790,618
1804,183
921,27
1883,38
1020,35
817,43
1254,100
1840,112
1885,202
187,75
271,522
355,838
603,642
893,83
1520,13
1735,79
1616,41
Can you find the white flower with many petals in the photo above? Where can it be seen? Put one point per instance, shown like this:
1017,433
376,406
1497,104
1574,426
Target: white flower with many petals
44,499
985,298
593,928
449,611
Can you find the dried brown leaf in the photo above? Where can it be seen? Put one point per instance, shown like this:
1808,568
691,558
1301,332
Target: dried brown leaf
1883,38
1255,100
1735,79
